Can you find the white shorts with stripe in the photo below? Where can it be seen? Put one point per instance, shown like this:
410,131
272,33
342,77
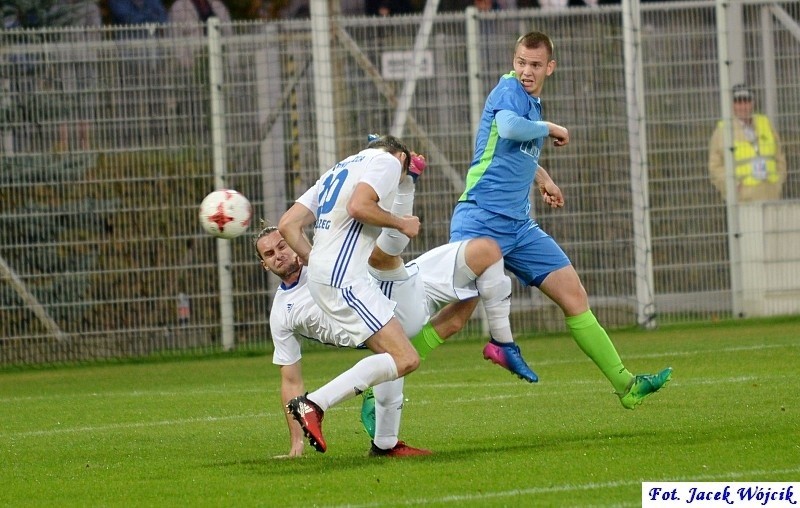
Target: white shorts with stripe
438,268
409,293
360,308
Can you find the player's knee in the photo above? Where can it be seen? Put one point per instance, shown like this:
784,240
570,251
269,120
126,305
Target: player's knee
481,253
451,326
407,362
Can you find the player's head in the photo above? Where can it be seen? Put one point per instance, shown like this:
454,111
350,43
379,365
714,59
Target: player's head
275,254
742,102
533,61
395,147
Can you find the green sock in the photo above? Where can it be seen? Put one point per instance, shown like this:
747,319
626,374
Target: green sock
593,340
426,341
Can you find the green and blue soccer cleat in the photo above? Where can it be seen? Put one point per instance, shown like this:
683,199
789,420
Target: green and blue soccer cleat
368,412
642,386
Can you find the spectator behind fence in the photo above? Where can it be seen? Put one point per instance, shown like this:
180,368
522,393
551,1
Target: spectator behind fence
77,72
493,47
136,12
188,19
143,70
351,7
558,4
387,7
51,84
759,162
283,9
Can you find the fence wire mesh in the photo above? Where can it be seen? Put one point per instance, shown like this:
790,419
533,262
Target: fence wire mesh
107,152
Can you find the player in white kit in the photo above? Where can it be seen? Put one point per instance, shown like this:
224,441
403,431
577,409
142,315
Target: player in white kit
295,316
349,206
436,279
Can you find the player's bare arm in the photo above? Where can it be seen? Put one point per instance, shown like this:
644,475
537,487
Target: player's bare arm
363,207
291,386
291,227
551,193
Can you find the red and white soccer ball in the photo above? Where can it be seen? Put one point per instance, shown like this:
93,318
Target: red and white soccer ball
225,213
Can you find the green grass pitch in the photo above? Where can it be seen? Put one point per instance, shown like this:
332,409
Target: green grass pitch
203,432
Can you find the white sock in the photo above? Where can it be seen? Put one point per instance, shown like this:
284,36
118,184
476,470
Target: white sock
388,408
392,241
494,287
370,371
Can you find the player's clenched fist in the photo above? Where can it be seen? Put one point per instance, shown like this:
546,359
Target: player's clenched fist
409,225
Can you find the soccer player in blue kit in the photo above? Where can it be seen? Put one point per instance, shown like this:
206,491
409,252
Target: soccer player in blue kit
496,204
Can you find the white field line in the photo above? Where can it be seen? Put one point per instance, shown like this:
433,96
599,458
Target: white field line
530,355
133,394
495,397
129,425
421,372
573,487
578,387
513,383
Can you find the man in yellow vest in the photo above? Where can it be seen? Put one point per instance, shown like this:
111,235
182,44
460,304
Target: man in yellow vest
760,165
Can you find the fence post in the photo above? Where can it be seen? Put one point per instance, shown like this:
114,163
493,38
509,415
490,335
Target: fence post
323,84
410,85
218,141
726,70
637,144
272,109
476,97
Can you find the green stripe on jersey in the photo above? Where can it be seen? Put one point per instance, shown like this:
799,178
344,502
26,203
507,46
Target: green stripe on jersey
476,172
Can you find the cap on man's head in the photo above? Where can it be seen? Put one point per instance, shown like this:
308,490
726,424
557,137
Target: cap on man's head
742,93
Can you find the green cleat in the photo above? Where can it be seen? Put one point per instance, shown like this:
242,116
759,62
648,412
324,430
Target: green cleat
368,412
642,386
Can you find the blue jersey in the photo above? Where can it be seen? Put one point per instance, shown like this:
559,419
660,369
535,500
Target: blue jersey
502,170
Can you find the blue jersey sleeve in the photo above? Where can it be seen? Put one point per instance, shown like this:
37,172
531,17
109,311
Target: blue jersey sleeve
514,127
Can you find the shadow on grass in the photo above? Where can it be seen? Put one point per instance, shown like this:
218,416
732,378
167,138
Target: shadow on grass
313,462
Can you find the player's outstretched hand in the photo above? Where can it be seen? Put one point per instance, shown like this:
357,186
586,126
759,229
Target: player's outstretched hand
296,451
409,225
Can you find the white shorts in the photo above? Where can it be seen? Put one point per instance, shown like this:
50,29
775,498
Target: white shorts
360,309
437,270
411,310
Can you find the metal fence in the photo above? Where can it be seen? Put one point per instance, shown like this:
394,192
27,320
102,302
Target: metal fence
111,137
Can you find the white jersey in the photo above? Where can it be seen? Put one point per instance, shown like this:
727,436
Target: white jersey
342,245
295,316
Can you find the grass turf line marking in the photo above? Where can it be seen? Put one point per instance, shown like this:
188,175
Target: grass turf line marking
627,357
421,401
132,394
134,425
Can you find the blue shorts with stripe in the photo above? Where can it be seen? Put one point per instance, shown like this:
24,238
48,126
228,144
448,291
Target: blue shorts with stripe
528,252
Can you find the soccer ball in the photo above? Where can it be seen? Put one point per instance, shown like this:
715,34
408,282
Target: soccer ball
225,213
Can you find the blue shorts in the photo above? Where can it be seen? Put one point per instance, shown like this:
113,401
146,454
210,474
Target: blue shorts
528,252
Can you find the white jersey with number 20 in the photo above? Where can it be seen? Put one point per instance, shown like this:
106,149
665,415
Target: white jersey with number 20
342,245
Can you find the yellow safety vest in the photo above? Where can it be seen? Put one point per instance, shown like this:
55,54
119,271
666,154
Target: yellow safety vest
746,153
